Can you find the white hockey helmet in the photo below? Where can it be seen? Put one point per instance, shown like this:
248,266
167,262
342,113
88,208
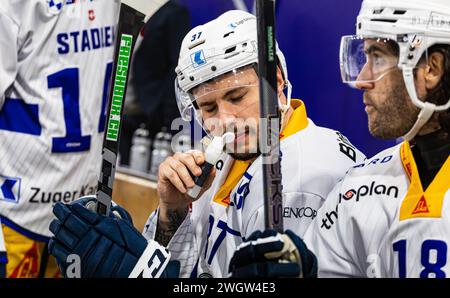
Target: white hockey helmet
220,46
414,26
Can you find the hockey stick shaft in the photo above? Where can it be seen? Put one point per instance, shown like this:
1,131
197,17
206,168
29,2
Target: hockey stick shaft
129,26
270,115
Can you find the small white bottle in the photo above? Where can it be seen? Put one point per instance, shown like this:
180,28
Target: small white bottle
212,155
140,150
162,149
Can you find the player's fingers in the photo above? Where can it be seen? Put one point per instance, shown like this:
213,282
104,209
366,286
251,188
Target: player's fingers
54,227
255,251
168,174
199,156
84,214
75,225
63,235
61,211
259,235
182,172
189,161
87,243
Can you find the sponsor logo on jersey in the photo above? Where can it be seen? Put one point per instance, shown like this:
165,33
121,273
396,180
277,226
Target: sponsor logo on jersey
289,212
126,42
369,190
10,189
43,197
376,161
373,189
421,207
346,147
329,219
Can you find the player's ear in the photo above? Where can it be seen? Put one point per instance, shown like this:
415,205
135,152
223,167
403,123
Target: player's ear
434,70
280,82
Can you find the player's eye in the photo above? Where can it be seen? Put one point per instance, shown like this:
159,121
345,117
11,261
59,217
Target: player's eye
235,99
210,109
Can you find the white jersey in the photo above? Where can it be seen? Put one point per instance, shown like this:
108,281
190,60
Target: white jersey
312,162
55,67
378,222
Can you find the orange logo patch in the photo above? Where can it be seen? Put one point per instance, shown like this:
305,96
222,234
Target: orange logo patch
28,267
421,206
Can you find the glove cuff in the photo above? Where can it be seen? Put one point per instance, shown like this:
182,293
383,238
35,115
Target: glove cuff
152,262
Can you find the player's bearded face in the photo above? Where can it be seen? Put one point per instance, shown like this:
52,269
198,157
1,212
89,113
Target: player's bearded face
232,105
390,111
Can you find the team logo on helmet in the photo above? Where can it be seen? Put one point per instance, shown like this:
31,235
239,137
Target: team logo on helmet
198,59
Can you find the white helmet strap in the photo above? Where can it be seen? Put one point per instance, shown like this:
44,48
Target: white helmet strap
285,107
426,109
425,114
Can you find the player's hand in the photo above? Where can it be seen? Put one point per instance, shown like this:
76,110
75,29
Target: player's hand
116,211
106,246
176,178
271,254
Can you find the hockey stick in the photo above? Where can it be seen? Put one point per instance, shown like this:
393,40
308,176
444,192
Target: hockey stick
132,18
269,114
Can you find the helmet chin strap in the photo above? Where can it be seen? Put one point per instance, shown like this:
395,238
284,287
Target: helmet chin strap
426,109
285,107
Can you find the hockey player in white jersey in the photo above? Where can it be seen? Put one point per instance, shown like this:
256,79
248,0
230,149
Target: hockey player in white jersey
389,217
55,66
217,83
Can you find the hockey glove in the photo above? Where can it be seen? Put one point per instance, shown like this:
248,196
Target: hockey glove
271,254
106,246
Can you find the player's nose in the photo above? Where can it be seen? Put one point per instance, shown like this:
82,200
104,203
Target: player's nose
363,81
361,85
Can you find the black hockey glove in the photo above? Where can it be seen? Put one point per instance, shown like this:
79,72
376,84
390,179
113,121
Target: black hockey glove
271,254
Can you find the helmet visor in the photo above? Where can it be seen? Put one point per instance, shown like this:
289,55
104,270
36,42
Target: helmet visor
231,88
367,60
